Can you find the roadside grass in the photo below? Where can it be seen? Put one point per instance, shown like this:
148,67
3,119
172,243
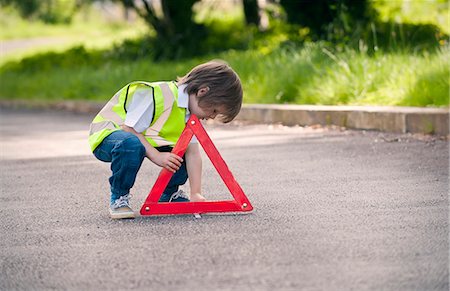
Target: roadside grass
383,79
315,75
92,63
312,74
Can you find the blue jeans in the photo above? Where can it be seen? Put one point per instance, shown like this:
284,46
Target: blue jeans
126,153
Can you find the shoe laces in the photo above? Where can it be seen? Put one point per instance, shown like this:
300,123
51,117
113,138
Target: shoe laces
178,194
123,201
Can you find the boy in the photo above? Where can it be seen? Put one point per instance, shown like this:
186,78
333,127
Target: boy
146,119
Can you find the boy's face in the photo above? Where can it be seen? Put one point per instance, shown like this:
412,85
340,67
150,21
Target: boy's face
201,113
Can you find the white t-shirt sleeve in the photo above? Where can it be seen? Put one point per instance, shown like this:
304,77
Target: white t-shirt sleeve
140,111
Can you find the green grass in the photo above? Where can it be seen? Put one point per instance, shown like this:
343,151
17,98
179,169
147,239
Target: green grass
315,75
385,79
310,75
274,70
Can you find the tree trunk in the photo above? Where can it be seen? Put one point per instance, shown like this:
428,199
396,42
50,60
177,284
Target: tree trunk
251,12
176,32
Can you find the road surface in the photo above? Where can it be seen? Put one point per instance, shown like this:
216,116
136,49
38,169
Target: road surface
334,210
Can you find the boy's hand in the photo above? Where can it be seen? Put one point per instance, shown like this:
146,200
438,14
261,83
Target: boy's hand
168,161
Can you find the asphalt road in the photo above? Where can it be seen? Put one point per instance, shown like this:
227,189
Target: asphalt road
334,210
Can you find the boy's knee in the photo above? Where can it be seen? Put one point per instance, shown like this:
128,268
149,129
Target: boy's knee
132,144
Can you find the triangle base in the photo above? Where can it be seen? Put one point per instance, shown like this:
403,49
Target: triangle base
193,207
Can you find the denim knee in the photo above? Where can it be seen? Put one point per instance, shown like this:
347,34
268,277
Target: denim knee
132,148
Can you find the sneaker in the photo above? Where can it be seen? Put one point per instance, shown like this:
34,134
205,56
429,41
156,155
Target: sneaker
179,196
121,208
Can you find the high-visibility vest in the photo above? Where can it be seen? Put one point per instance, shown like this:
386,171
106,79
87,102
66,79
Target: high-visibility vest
168,119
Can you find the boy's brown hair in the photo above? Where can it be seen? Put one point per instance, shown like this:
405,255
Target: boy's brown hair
225,89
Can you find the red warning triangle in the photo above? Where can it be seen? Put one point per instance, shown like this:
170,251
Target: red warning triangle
240,203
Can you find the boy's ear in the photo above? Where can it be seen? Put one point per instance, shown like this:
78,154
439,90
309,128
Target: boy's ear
202,91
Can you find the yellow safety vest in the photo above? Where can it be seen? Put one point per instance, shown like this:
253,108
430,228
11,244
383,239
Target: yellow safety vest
168,119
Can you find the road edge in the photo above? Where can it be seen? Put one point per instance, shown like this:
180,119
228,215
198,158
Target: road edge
394,119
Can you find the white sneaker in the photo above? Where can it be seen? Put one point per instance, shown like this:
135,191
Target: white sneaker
121,208
179,196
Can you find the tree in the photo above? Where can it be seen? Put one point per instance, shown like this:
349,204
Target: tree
251,12
174,26
319,15
26,8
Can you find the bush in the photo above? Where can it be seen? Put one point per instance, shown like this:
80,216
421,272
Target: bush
393,36
50,11
46,62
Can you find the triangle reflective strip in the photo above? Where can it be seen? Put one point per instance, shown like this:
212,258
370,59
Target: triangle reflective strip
240,203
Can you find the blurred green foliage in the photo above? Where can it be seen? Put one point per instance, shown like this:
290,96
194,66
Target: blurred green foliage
326,18
313,74
434,12
49,11
378,61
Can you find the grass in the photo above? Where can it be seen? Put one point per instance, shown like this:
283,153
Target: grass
315,75
271,71
309,75
385,79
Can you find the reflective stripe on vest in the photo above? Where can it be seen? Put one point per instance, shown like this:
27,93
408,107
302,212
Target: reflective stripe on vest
168,120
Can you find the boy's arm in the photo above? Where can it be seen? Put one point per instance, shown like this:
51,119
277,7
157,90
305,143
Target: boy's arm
169,161
194,168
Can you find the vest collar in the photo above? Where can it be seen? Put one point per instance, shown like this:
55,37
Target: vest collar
183,97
